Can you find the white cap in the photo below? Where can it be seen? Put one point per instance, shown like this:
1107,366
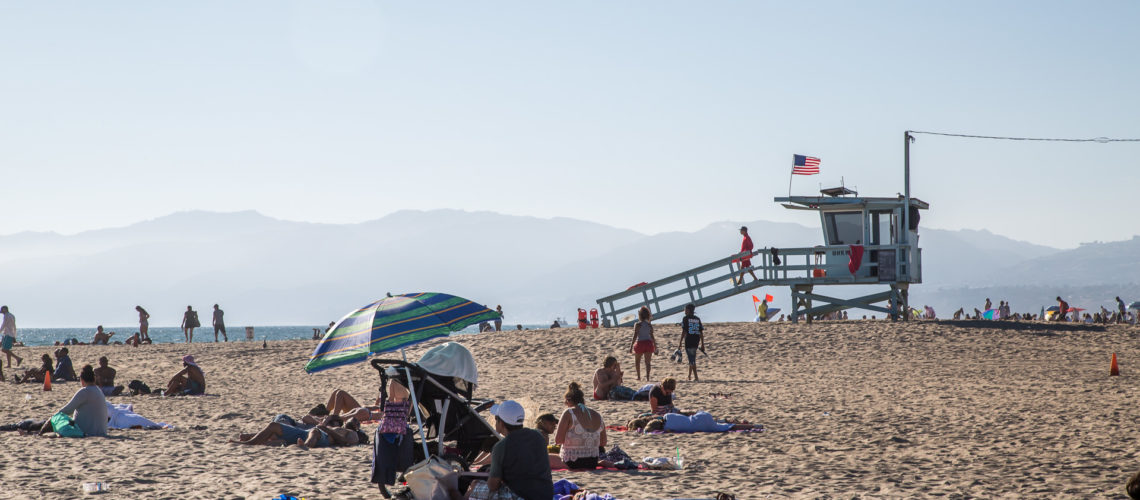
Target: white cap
510,412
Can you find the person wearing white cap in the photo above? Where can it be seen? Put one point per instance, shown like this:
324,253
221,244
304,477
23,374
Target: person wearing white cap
520,466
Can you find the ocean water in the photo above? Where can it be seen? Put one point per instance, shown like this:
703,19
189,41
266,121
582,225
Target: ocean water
49,336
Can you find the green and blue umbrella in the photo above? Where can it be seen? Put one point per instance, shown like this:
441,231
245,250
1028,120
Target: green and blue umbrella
393,323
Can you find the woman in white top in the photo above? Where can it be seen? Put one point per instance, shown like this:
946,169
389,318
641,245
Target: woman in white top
644,344
581,431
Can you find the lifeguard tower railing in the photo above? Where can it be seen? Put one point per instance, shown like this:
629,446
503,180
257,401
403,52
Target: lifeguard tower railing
798,268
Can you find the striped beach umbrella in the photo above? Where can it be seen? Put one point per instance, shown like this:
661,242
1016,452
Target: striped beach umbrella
393,323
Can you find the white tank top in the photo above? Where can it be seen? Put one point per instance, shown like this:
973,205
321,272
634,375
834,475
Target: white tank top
579,442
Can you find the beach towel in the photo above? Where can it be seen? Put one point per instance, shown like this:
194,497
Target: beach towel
65,426
856,258
622,393
123,416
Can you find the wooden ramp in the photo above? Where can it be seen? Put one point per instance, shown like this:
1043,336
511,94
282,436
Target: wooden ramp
801,269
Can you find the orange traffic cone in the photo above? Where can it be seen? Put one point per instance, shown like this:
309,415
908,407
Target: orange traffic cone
47,382
1113,369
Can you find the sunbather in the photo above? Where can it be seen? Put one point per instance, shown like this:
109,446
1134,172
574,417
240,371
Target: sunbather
581,431
100,337
324,435
608,377
190,381
64,372
105,379
661,397
274,434
37,374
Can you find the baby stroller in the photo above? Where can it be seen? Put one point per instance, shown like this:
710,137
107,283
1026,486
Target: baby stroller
445,420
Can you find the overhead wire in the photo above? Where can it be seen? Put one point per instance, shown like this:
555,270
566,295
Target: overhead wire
1102,140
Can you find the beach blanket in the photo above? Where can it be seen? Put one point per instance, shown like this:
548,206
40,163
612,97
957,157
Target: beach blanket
123,416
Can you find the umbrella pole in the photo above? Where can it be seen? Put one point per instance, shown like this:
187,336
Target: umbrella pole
415,405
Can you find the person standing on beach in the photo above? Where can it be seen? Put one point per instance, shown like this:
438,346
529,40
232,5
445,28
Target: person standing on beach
1121,311
746,259
499,320
692,338
219,324
8,329
189,323
644,344
144,324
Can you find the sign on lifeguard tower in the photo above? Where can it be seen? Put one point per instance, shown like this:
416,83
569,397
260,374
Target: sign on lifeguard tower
866,241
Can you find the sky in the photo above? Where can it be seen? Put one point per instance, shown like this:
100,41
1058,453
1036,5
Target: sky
654,116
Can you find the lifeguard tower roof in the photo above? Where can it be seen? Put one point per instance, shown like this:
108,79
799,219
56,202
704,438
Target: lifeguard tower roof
832,202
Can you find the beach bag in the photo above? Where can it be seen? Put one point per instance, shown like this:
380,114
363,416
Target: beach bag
431,479
192,321
64,426
621,393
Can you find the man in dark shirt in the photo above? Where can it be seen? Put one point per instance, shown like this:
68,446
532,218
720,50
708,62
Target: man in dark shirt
519,461
220,324
692,338
64,372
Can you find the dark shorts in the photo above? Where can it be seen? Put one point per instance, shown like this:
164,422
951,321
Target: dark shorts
586,463
220,327
193,388
691,353
7,343
291,434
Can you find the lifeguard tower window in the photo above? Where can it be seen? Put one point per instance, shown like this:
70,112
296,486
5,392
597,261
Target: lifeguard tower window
845,228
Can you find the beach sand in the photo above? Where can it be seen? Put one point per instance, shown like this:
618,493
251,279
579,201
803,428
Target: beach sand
865,409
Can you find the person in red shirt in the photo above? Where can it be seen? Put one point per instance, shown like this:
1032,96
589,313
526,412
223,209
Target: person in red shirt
746,260
1063,310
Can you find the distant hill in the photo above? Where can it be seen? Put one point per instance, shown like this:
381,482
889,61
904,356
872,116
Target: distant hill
268,271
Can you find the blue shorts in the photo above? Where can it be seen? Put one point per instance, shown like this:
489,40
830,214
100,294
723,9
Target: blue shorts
291,434
692,355
8,341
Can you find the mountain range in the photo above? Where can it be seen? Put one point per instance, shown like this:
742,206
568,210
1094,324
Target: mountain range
265,271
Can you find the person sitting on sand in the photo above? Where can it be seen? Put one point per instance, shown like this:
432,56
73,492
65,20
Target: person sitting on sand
64,372
581,431
191,381
608,378
105,379
1062,310
100,337
661,397
134,340
37,374
87,408
517,466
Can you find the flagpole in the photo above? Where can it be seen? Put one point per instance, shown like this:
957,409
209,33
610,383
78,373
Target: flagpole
790,174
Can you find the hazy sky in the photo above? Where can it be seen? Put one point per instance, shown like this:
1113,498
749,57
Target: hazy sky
654,116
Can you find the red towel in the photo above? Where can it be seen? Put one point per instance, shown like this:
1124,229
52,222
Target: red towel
856,258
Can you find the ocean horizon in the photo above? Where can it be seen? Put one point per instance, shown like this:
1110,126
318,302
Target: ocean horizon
38,337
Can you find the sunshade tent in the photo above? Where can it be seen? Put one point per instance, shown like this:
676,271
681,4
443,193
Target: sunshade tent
393,323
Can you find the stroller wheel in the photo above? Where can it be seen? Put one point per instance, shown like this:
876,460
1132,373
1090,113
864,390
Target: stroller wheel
456,461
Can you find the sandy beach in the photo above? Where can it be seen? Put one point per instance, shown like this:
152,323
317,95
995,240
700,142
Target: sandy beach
852,409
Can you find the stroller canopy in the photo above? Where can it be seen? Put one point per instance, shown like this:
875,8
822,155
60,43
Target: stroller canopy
450,360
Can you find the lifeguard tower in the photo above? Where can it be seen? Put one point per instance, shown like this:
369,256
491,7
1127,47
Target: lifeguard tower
866,241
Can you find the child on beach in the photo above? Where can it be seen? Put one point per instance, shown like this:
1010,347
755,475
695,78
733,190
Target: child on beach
692,338
644,344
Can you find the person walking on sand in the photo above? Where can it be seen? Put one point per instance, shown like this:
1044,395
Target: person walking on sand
8,329
219,324
499,320
189,323
144,324
692,338
644,344
746,257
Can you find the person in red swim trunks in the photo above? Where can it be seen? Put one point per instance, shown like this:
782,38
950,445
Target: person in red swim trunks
746,261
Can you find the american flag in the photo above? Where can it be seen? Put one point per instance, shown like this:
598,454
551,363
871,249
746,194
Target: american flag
805,165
